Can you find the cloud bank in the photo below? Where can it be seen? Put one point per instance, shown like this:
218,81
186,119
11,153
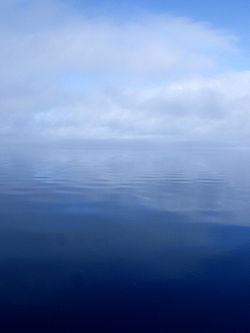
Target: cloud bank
67,75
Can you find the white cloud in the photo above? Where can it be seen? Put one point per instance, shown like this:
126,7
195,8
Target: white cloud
67,75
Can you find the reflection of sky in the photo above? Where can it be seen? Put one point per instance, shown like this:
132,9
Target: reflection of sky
207,186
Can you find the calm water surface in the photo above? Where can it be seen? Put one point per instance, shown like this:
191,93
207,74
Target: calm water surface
124,239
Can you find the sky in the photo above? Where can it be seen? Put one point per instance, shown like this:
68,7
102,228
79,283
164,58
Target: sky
142,69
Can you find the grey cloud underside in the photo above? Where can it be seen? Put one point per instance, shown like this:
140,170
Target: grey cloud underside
67,76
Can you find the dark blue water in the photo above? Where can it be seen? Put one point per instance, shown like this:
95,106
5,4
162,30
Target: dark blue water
124,239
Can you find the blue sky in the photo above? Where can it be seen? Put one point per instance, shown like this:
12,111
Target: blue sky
233,15
230,15
176,71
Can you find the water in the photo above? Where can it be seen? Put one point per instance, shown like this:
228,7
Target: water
124,239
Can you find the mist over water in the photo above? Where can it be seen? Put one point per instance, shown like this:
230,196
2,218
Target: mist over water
125,238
